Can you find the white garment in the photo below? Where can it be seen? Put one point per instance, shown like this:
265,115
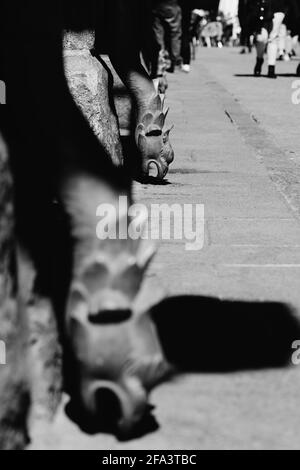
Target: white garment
229,7
272,40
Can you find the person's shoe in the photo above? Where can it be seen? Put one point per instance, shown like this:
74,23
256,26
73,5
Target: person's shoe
258,67
186,68
271,72
298,71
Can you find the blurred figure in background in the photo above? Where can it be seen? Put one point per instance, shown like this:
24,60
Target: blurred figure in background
197,21
212,32
285,49
186,9
245,23
167,25
267,17
228,14
293,25
296,38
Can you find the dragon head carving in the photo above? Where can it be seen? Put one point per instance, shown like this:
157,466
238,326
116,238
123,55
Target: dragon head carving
153,140
116,348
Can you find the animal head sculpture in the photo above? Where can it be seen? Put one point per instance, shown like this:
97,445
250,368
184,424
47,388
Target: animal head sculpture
116,348
153,140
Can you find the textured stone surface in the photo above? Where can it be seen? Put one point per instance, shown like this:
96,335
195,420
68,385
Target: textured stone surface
89,82
30,381
44,351
79,41
14,396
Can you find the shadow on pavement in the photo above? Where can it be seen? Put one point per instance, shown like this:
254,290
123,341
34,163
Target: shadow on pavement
251,75
210,335
207,335
106,424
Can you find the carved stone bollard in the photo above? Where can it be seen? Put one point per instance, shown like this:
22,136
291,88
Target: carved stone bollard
89,82
148,124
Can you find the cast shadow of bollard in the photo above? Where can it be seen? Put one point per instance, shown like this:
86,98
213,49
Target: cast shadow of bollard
207,335
251,75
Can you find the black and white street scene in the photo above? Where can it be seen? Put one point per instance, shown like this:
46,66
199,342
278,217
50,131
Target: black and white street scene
149,227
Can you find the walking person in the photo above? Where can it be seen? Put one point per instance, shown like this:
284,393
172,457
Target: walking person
267,17
167,27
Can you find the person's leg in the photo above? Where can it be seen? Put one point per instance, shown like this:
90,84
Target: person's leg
185,41
295,44
243,39
173,18
125,49
296,48
159,31
208,41
261,40
273,43
282,41
288,46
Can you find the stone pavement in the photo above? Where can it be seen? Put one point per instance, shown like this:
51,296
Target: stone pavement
237,150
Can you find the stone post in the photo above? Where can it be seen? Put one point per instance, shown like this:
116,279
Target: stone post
89,84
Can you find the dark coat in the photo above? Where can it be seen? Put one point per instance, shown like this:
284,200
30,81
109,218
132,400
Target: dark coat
257,14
